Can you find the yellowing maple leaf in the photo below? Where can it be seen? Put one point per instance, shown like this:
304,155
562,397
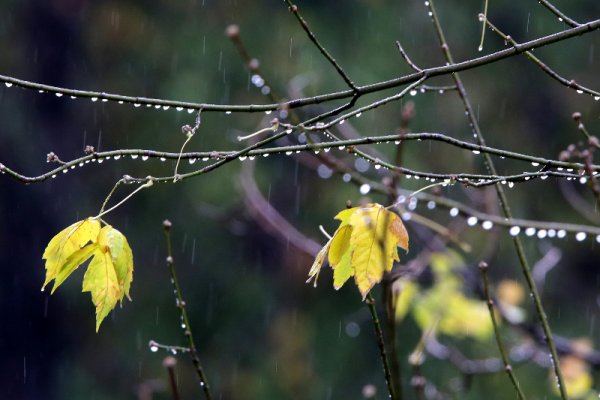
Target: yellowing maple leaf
110,272
364,246
67,242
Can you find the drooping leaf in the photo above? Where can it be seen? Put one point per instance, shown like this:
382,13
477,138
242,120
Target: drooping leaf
364,246
66,243
315,269
110,272
375,236
109,275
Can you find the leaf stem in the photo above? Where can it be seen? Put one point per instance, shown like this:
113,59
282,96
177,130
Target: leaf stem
187,329
148,183
381,345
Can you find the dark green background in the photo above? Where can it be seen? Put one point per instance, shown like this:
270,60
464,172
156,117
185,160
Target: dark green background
261,331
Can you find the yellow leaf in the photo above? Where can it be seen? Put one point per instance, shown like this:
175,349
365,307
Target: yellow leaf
576,375
66,243
74,261
375,235
315,269
122,259
109,274
343,270
339,244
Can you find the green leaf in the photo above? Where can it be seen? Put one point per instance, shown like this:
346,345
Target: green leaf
66,243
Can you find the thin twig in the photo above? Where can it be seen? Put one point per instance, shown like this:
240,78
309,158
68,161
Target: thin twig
294,9
561,16
483,19
381,345
185,322
148,183
169,363
505,207
483,267
407,58
165,104
544,67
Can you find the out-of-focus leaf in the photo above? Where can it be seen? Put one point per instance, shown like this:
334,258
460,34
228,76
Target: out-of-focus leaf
406,291
577,378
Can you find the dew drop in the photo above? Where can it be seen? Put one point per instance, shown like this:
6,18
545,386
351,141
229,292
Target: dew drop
58,94
453,212
134,156
596,98
514,231
268,112
476,152
166,107
289,153
377,166
544,177
530,231
120,102
190,110
358,115
542,233
365,188
94,99
511,184
154,349
116,157
561,234
73,97
104,100
413,92
173,351
288,131
227,112
487,225
583,180
136,105
535,164
192,160
472,221
551,233
179,108
242,158
144,158
53,176
8,84
163,159
580,237
100,160
579,91
341,147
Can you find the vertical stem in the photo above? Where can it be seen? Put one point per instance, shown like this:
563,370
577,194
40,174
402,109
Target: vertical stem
184,316
381,344
525,268
390,324
169,363
483,267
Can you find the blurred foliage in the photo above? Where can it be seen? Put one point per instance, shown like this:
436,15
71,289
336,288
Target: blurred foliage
261,332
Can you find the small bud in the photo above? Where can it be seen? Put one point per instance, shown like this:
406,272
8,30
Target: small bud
215,155
253,64
593,141
51,157
294,8
483,266
576,116
186,129
348,203
233,31
167,224
169,362
169,260
89,149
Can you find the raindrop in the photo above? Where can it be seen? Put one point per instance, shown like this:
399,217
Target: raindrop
173,351
267,155
551,233
242,158
406,216
580,237
154,349
134,156
136,104
430,13
596,98
59,94
583,180
472,221
341,147
511,184
358,115
157,106
530,231
365,188
182,326
144,158
476,152
104,100
249,158
73,97
431,205
413,92
179,108
535,164
453,212
120,102
377,166
544,177
342,121
289,153
192,160
166,107
8,84
268,112
288,131
426,4
94,99
117,157
100,160
163,159
598,238
227,112
514,231
561,234
346,177
324,171
487,225
542,233
190,110
579,91
412,204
